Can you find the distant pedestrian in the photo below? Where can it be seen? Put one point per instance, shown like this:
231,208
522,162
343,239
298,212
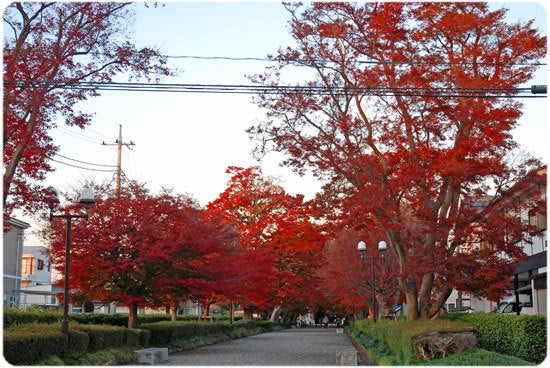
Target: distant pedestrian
300,321
325,321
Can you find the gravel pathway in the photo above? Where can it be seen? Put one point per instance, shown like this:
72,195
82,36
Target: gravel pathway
305,346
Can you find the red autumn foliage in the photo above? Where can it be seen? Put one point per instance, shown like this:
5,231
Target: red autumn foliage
347,273
421,132
276,233
144,250
47,48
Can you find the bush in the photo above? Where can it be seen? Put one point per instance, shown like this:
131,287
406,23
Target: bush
14,317
400,336
102,336
78,341
138,337
478,357
38,343
28,344
163,333
522,336
378,353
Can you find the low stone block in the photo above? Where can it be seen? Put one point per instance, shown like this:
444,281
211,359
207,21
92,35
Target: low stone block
346,357
339,330
151,356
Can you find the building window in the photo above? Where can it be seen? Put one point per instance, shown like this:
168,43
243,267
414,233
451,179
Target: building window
539,221
40,265
28,264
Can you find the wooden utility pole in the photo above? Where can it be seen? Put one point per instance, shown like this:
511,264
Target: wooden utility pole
119,145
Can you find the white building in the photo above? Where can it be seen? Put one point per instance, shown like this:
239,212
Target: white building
36,283
12,249
528,285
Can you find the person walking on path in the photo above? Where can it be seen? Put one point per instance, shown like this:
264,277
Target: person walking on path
325,321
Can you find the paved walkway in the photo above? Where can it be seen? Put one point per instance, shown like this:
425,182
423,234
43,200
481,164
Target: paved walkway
304,346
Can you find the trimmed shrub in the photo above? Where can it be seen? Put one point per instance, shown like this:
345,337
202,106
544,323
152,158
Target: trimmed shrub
521,336
478,357
138,337
163,333
102,336
13,317
378,353
78,341
400,336
32,342
117,319
120,320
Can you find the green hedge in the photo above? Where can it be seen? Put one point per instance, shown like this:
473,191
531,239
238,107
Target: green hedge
24,346
79,341
163,333
398,335
478,357
103,336
377,352
29,343
14,317
521,336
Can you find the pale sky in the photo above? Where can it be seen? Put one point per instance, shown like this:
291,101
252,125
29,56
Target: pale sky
185,141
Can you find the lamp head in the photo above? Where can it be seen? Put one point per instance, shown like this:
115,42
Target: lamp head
87,196
361,246
382,245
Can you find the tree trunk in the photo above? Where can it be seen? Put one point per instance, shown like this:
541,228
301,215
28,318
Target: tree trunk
426,289
247,315
231,312
133,316
411,298
174,312
275,314
206,309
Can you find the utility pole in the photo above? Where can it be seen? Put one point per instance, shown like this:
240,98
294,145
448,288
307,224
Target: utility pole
119,145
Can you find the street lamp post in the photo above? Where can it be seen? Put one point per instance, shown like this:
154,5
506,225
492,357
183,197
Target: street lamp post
86,198
362,247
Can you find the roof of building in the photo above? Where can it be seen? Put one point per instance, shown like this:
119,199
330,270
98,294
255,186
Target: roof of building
19,223
533,262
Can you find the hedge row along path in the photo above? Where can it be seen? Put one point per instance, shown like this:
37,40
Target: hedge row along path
293,347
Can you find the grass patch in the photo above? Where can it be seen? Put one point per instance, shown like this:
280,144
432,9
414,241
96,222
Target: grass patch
120,355
377,352
478,357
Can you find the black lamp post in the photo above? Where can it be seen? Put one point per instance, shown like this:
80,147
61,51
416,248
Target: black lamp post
86,198
362,247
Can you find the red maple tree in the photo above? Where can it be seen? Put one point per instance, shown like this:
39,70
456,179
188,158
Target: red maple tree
49,48
276,232
143,249
408,119
346,276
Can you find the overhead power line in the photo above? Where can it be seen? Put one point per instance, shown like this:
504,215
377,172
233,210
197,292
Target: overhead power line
78,135
526,92
304,61
81,167
83,162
